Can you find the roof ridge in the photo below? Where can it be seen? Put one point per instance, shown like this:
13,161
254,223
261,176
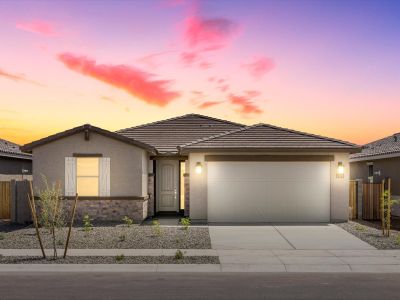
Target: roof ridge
382,139
310,134
216,136
177,118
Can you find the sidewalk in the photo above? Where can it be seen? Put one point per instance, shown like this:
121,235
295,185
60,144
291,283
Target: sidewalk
375,261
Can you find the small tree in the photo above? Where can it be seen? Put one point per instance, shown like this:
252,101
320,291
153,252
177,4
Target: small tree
51,210
386,211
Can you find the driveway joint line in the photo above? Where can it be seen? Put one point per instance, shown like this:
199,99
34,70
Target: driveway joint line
291,245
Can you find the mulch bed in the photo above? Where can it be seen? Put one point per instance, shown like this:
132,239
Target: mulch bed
371,233
110,260
110,237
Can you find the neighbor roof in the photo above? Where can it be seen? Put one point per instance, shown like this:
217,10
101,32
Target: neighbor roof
268,137
167,135
388,146
9,149
89,128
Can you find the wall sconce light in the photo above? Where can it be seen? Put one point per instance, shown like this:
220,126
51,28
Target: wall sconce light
199,168
340,170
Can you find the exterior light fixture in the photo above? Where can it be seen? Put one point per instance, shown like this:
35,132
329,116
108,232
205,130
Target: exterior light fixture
199,168
340,170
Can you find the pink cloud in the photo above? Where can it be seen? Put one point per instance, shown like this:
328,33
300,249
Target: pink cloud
223,88
208,104
205,65
244,104
259,67
132,80
209,34
252,93
18,77
189,58
38,27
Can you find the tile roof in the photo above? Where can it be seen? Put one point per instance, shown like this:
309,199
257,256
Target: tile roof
167,135
385,146
268,137
10,149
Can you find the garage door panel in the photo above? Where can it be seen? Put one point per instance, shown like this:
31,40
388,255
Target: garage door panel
237,201
268,191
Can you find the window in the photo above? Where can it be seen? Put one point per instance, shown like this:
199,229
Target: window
87,176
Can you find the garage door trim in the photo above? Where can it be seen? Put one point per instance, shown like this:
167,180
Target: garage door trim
269,158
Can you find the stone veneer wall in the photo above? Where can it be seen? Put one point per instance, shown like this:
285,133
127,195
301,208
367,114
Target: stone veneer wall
109,209
187,194
150,190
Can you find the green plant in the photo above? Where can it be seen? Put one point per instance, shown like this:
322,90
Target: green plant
185,222
122,238
128,221
87,223
179,254
157,228
360,227
398,239
51,213
2,236
119,258
386,207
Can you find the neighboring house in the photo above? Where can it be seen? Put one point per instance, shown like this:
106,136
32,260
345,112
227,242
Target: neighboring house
206,168
379,160
14,164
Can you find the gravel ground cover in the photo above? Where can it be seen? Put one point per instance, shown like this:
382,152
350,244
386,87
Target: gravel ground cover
110,237
110,260
372,234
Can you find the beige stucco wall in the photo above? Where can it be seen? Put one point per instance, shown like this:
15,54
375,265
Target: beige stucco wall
128,163
339,186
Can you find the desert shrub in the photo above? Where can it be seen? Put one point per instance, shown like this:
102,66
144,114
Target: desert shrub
185,222
119,258
87,223
2,236
128,221
179,254
156,227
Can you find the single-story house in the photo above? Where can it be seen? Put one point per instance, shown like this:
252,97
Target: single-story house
14,164
379,160
202,167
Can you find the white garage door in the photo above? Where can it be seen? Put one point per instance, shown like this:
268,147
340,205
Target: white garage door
268,191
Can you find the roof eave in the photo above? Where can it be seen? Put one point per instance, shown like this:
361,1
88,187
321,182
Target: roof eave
186,150
29,147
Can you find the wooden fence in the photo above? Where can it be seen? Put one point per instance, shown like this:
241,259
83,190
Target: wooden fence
372,193
5,200
353,199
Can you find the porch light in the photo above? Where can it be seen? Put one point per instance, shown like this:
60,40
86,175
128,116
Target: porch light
199,168
340,170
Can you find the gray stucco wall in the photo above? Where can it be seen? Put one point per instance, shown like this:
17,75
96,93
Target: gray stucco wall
388,167
14,166
128,163
339,192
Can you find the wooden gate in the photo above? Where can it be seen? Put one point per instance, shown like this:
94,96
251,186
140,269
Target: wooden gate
5,200
353,199
372,193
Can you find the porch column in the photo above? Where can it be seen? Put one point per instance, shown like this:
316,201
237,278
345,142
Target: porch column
187,194
150,190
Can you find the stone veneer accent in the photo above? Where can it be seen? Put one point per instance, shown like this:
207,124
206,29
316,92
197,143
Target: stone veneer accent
150,190
109,209
187,194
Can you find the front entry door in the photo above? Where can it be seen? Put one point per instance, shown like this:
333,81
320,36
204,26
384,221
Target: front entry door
167,185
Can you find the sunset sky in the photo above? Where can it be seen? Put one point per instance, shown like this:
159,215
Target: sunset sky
324,67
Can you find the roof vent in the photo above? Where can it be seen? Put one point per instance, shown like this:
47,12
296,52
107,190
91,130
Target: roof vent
395,138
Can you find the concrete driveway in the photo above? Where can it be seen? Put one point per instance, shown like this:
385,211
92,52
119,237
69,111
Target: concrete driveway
284,237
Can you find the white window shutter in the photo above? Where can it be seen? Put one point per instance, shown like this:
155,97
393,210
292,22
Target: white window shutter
104,176
70,176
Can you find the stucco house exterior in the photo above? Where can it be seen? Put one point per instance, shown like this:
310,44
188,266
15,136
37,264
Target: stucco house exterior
14,164
205,168
379,160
